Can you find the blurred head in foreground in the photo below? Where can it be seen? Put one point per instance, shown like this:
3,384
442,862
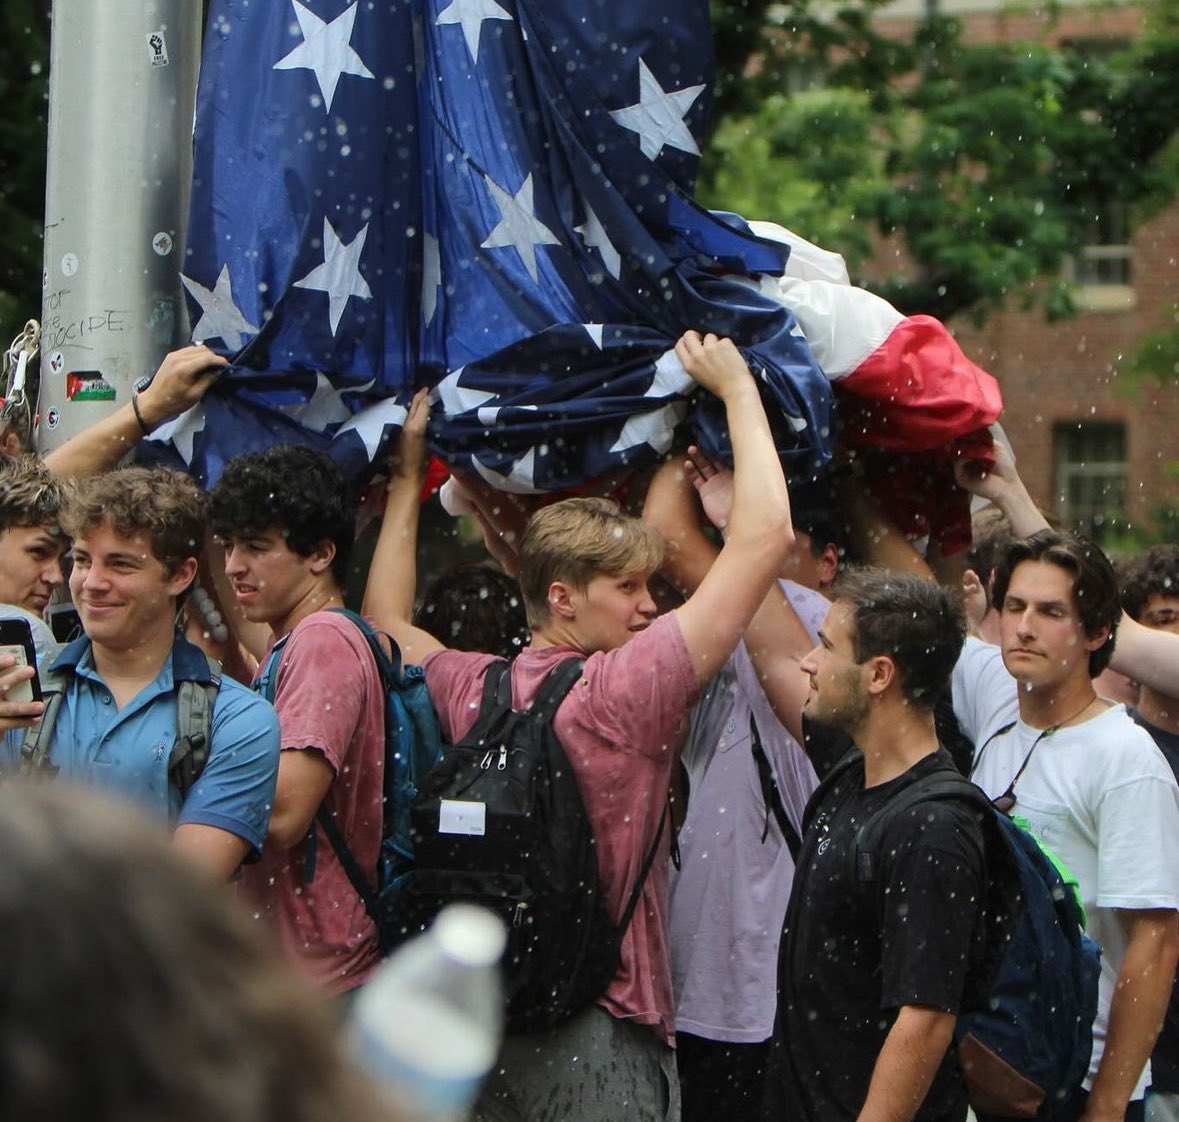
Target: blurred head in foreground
136,992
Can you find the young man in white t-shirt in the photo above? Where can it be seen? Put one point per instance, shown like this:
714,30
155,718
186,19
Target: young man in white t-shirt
1089,783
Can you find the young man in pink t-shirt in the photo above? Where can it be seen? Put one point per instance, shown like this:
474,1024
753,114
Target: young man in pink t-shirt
584,568
287,520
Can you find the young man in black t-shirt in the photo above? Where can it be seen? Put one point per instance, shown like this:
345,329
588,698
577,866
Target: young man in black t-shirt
872,972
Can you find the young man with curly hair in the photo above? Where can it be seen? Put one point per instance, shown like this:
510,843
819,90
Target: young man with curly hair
287,520
136,535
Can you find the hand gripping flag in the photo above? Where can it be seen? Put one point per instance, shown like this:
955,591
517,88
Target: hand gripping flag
492,198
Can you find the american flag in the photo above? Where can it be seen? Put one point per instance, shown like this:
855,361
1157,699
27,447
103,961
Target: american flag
492,198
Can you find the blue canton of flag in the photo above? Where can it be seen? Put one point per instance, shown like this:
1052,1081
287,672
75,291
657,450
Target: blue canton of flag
492,198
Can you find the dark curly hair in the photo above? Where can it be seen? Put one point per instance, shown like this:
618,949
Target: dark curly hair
297,491
138,991
1153,573
1095,586
475,608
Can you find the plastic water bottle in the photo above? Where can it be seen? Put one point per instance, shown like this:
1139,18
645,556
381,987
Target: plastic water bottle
428,1024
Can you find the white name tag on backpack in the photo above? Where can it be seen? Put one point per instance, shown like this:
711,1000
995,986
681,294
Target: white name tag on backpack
457,816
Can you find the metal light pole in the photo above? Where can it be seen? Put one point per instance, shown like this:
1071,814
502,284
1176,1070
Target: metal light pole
122,87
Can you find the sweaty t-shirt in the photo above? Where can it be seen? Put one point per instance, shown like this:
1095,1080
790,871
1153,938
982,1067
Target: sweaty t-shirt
853,952
621,726
329,700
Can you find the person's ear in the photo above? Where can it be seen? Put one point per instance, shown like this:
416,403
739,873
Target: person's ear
183,576
882,675
321,558
828,565
1096,642
10,444
560,601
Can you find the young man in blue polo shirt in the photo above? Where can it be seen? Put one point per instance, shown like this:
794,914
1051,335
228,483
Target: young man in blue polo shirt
135,535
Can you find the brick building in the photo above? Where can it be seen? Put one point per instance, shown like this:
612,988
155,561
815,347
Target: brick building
1090,446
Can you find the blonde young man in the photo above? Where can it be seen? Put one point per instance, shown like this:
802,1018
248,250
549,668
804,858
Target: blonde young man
135,535
584,569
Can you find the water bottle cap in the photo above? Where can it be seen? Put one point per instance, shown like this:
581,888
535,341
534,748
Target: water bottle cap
470,934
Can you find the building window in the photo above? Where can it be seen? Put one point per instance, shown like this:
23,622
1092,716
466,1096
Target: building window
1091,475
1107,257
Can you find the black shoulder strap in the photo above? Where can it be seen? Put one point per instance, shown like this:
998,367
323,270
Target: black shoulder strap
496,700
942,784
771,795
348,862
497,696
648,861
554,688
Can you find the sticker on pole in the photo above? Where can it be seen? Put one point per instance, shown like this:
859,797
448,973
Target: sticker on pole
88,385
53,417
69,264
157,47
162,243
56,362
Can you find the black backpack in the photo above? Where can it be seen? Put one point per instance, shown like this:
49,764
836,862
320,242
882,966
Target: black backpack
500,822
1025,1032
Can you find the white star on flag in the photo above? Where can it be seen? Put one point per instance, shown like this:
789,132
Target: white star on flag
471,14
182,430
519,481
220,318
326,49
370,423
431,277
339,275
490,417
595,237
325,407
519,228
656,426
456,398
594,331
658,115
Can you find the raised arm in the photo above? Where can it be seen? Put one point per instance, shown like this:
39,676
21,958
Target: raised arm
392,576
759,534
776,639
671,507
873,537
182,380
1003,486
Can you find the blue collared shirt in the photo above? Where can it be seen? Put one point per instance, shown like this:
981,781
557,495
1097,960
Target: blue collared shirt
126,750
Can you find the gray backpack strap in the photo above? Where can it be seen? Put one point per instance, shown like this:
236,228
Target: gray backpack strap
194,723
34,749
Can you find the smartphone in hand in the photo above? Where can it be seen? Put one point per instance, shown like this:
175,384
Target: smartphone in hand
16,639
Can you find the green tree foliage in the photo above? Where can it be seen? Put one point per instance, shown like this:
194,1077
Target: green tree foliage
985,164
24,70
